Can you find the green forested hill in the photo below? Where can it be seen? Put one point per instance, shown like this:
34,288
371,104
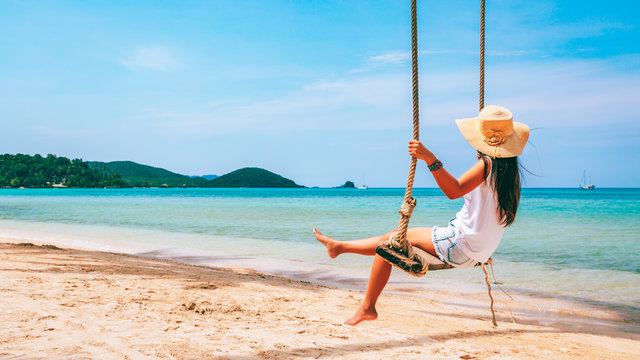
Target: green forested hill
253,177
139,175
22,170
52,171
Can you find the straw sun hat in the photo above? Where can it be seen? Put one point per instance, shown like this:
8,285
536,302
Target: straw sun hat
494,132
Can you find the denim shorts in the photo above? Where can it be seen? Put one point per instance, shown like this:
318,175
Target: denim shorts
445,243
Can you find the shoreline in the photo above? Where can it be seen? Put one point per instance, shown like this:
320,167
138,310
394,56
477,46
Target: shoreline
62,302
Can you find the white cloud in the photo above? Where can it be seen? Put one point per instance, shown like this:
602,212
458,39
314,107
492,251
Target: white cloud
554,94
158,58
396,58
576,93
338,105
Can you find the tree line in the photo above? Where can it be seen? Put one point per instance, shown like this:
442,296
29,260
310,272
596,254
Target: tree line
36,171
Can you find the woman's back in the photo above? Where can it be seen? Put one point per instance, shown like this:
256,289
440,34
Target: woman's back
478,222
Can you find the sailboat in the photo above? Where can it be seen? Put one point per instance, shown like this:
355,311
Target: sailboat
583,182
363,187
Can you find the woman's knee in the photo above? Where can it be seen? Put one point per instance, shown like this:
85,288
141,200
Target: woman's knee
389,235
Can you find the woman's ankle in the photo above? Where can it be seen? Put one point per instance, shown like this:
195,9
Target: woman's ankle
368,306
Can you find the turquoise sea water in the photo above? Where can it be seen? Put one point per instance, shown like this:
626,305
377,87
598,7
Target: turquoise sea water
567,243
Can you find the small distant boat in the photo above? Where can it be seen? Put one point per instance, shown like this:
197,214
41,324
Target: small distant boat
583,183
363,186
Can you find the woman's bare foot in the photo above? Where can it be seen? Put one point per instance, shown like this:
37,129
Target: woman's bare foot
362,315
329,243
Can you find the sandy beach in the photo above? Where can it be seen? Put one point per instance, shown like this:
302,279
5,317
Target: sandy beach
76,304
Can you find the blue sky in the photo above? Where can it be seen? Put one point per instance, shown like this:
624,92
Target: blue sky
319,91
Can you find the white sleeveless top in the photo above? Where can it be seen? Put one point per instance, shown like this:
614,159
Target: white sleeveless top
478,223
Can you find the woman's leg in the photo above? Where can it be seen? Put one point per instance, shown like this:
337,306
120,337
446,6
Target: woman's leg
380,271
362,246
420,237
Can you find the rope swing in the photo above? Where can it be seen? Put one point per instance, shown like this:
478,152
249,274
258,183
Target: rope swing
397,250
481,95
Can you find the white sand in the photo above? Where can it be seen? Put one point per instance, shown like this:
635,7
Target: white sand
75,304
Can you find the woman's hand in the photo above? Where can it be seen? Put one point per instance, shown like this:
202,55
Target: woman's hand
450,186
417,150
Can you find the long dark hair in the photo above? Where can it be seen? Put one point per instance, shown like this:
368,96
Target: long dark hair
505,180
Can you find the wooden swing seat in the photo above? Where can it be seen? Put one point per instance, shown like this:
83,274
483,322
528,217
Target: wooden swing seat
400,259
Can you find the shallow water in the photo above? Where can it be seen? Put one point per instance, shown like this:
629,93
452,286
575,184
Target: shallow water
566,243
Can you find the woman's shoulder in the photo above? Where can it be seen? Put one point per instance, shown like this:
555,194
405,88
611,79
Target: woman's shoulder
488,162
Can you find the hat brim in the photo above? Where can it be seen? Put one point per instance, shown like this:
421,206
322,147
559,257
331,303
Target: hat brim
512,146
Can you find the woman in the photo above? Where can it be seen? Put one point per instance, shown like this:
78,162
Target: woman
491,189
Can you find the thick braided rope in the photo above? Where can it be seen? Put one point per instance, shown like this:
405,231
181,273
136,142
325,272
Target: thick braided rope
481,97
399,240
481,103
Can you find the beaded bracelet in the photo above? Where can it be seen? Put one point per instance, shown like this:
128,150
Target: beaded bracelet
437,165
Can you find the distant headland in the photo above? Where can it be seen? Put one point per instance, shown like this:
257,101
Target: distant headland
27,171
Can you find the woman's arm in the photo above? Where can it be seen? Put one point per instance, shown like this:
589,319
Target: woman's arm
450,186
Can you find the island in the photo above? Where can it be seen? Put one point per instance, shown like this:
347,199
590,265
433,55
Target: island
139,175
252,177
347,185
36,171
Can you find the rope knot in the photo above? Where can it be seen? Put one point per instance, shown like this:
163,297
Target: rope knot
407,207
